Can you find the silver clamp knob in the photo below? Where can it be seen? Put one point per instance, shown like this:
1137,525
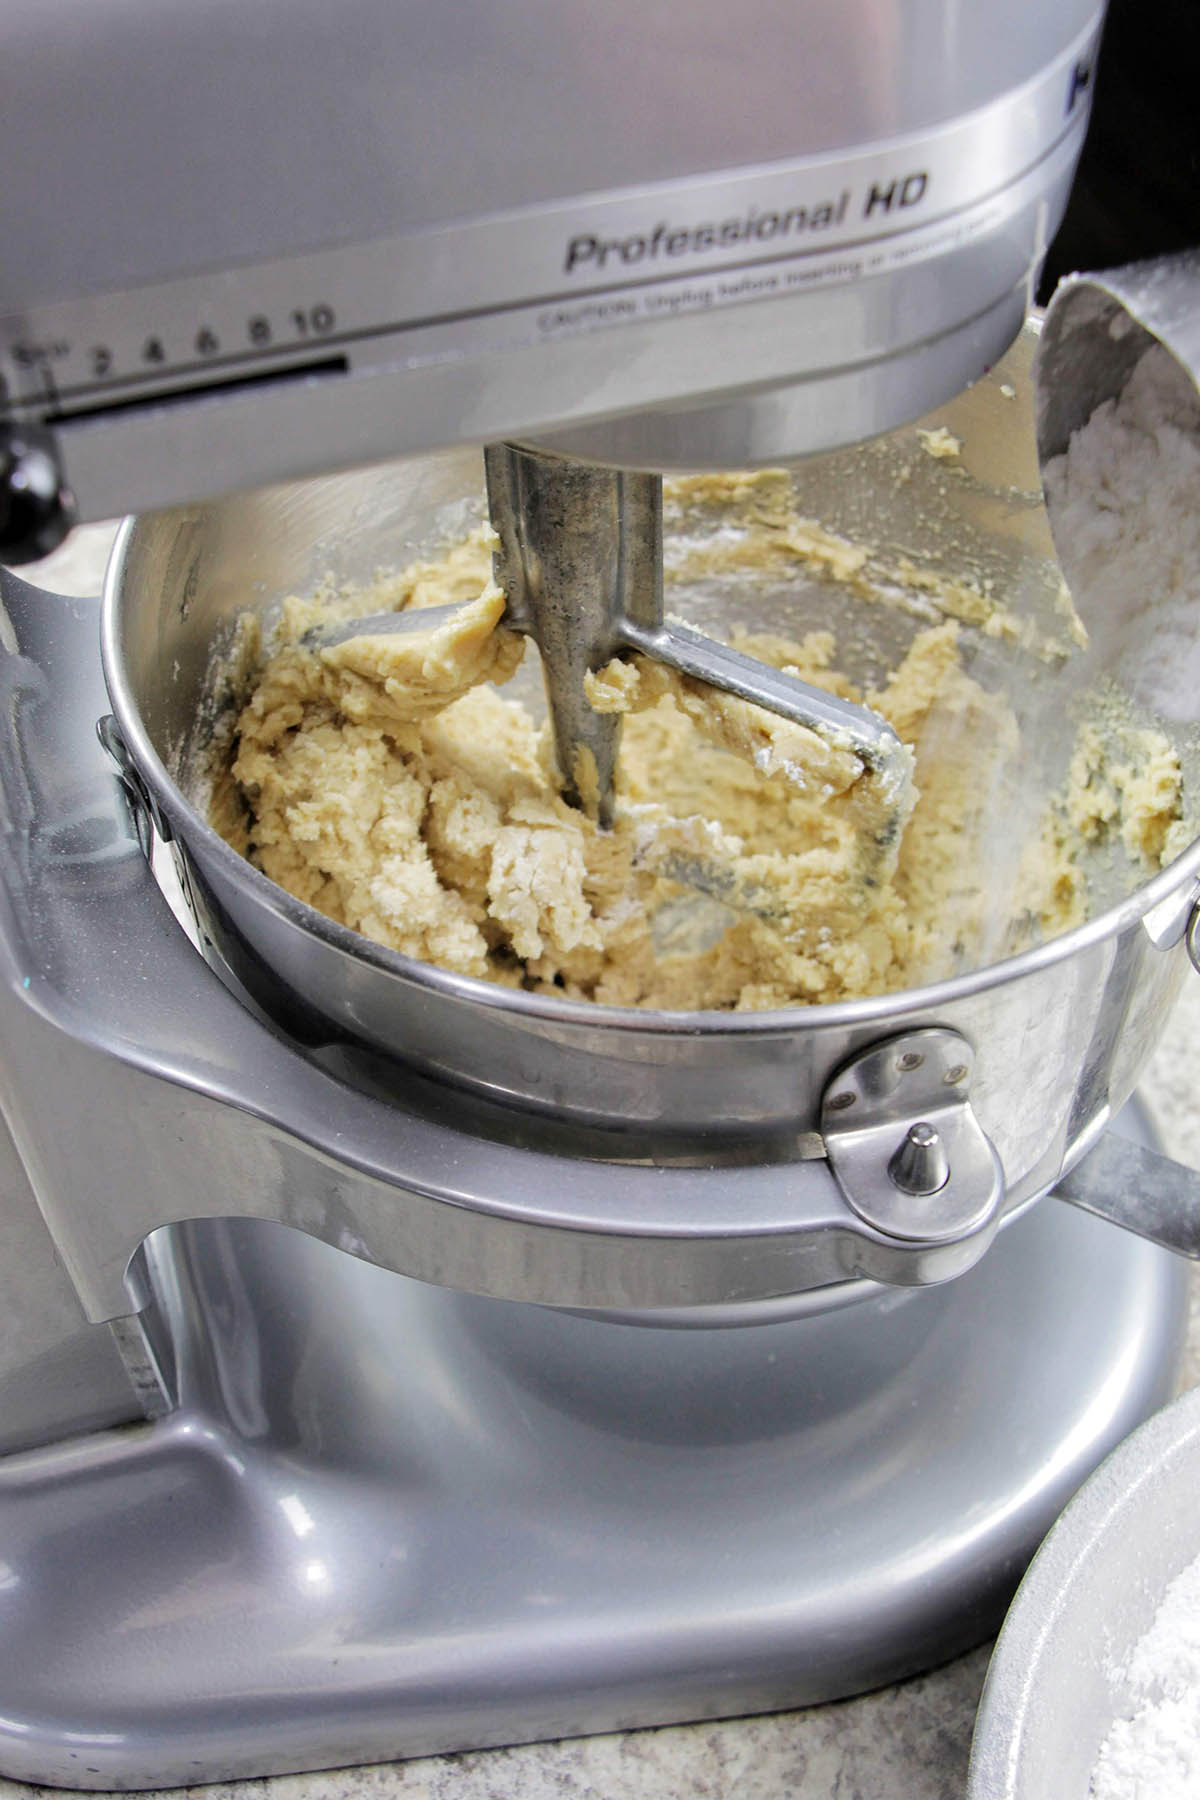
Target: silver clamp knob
904,1144
920,1165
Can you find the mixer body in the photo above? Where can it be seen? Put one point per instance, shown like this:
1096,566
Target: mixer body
488,1489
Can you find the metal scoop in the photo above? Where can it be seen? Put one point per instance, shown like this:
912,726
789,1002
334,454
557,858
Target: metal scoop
580,562
1096,330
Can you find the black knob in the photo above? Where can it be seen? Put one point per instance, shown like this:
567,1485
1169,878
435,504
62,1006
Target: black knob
37,509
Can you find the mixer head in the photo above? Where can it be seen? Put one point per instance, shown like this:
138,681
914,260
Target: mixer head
836,236
830,229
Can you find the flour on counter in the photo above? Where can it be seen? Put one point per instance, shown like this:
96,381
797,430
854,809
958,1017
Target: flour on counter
1155,1755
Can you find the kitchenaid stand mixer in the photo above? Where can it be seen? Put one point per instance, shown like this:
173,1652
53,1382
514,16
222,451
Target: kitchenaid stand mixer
650,1410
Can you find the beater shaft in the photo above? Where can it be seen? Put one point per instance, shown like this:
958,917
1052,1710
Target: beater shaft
580,562
580,553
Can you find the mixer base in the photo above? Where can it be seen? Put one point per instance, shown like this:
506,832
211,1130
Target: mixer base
388,1520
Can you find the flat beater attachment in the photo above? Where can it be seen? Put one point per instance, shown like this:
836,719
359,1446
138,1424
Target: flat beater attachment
580,561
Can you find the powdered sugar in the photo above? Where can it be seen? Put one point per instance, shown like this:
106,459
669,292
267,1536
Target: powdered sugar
1124,504
1155,1754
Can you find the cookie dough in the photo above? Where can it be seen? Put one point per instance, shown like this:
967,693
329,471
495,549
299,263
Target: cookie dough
389,783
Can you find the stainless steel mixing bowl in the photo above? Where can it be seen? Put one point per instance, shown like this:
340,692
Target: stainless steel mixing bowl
1060,1032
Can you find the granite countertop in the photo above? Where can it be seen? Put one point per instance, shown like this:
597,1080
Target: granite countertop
908,1742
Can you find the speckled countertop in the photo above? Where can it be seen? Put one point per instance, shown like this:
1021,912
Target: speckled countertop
909,1742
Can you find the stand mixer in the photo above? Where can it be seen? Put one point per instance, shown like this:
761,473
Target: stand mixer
683,1384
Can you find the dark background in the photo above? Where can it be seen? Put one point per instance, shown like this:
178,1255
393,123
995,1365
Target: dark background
1138,188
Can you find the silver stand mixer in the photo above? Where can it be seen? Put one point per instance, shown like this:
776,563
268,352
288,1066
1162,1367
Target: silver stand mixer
686,1381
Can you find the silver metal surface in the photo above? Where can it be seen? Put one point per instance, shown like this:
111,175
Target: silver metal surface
279,245
388,1519
1133,1186
59,1375
920,1165
580,549
580,562
1055,1685
911,1095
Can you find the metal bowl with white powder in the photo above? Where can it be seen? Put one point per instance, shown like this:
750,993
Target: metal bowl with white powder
1094,1686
